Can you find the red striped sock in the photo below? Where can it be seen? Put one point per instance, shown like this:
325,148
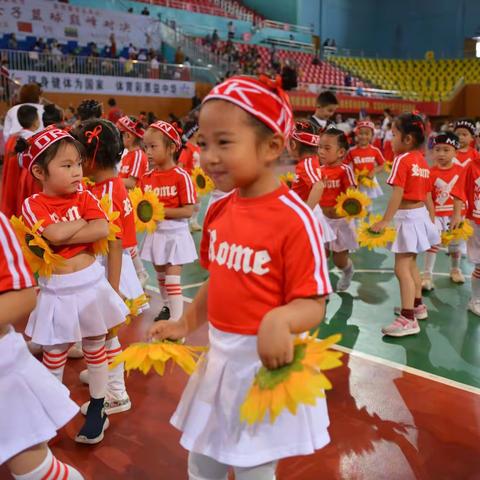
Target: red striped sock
55,359
96,358
175,298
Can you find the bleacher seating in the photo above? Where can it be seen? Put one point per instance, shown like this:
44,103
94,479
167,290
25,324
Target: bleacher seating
429,80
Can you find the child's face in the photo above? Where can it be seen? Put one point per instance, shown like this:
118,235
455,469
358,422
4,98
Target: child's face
464,136
159,152
364,136
64,174
328,150
398,144
443,155
231,152
326,111
128,140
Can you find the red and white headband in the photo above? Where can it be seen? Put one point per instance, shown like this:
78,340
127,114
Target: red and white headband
126,124
365,124
263,98
170,131
306,138
39,143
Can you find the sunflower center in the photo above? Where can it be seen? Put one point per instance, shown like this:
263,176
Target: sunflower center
352,206
269,379
201,182
34,248
145,211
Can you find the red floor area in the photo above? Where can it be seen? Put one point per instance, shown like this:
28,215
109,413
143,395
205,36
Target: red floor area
385,424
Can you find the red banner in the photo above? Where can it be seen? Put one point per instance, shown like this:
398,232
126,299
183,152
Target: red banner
306,102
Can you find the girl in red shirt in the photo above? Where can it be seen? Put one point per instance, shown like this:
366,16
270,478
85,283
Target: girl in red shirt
411,208
263,250
465,130
171,245
76,303
33,403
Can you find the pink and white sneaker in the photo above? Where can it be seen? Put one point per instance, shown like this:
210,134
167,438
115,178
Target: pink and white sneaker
420,312
401,327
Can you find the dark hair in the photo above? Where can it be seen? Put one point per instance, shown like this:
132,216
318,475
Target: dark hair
51,115
29,93
111,102
326,98
304,125
411,124
342,141
27,115
89,109
105,148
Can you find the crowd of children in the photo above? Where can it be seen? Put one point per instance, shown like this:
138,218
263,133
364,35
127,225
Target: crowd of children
259,292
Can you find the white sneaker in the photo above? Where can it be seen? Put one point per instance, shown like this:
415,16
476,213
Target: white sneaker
84,377
112,406
474,306
427,282
143,277
345,280
401,327
75,351
457,276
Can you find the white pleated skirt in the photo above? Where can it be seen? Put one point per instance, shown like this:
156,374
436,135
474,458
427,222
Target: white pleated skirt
415,231
209,411
372,192
74,306
34,405
328,235
345,235
473,244
174,246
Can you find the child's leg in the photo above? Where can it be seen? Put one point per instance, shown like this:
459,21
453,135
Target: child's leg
455,256
160,269
195,226
342,261
174,290
417,280
430,258
138,264
55,359
260,472
116,392
201,467
406,280
38,463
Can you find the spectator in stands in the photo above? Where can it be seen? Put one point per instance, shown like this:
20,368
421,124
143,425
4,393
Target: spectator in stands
114,114
231,30
142,56
327,104
215,37
12,42
289,76
348,80
179,56
146,11
29,94
113,46
326,43
388,118
5,84
130,10
154,67
132,52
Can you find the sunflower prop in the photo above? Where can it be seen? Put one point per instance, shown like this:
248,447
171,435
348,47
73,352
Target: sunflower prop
88,182
352,204
388,166
203,183
134,305
370,239
300,382
100,247
36,250
144,356
463,232
288,179
364,180
147,209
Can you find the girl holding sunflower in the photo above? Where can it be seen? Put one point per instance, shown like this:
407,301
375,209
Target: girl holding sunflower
267,283
411,208
76,303
171,245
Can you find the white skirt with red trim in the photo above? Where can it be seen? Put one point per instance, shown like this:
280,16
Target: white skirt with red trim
346,236
416,232
34,405
209,411
75,306
328,235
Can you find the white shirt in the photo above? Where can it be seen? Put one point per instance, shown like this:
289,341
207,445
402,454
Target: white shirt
11,125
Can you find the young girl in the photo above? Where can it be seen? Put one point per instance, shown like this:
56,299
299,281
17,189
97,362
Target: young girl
268,281
171,245
103,145
416,232
76,302
303,146
337,178
33,404
465,130
443,177
365,156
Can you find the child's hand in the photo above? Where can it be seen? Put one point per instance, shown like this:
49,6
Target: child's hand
455,222
275,342
379,226
167,330
318,187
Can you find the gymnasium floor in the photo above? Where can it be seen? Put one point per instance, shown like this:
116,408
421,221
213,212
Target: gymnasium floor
400,408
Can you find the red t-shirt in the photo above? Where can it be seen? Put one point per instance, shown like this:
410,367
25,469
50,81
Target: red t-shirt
364,158
442,182
464,158
15,274
173,187
337,179
68,208
190,157
116,191
134,164
467,189
411,172
307,173
255,263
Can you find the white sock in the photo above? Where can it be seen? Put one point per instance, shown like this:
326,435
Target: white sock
55,359
161,286
116,376
476,283
348,270
51,468
455,257
137,261
175,297
96,358
430,258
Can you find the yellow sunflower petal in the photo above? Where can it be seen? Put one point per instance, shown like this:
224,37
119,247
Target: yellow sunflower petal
203,183
370,239
352,204
288,179
362,177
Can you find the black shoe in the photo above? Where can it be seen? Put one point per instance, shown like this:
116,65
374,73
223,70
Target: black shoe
163,315
95,424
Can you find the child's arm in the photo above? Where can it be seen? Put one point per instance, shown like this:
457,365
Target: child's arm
393,206
457,213
194,317
275,341
114,262
58,233
130,182
430,207
186,211
16,305
376,171
315,194
94,230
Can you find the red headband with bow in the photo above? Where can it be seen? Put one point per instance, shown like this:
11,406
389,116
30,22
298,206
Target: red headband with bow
170,130
126,124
